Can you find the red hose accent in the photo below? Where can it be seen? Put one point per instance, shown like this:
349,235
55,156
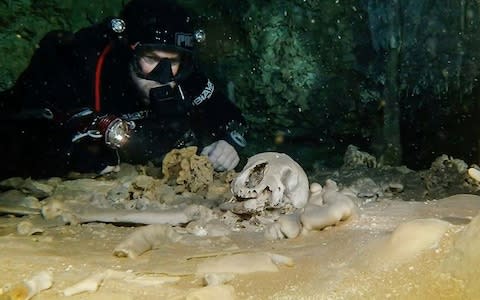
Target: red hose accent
98,76
104,122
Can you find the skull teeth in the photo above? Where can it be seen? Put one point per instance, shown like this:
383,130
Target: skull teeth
251,194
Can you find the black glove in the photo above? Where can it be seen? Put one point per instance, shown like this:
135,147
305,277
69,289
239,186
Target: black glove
235,134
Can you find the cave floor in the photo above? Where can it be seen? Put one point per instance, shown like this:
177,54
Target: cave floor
328,264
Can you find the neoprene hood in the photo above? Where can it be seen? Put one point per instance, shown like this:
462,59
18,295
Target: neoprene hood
160,24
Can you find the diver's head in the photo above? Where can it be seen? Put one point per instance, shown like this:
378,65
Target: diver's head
155,69
162,36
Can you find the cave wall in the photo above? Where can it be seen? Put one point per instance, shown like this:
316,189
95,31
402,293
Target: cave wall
310,74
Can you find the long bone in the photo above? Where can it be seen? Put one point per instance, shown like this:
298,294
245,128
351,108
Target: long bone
175,216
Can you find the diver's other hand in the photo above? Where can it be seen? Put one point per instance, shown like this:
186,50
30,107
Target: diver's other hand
222,155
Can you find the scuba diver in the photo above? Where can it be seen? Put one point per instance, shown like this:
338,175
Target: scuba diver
127,89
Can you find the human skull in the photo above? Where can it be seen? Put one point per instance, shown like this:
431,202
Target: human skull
271,180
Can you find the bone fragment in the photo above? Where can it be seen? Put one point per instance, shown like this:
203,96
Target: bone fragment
89,284
53,208
174,216
287,226
319,217
151,279
212,279
337,207
215,254
27,228
326,207
281,259
316,196
94,282
29,287
243,263
144,239
474,173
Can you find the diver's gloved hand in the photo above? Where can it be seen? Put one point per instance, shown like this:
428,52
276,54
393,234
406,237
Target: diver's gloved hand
222,155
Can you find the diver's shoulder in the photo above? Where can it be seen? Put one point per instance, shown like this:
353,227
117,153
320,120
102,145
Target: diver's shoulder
98,34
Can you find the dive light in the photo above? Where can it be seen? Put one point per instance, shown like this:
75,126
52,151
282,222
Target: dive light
114,130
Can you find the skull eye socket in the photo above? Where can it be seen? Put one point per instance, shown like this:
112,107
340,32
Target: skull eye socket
256,176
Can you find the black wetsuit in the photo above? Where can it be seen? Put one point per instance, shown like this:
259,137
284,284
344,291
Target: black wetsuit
61,80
